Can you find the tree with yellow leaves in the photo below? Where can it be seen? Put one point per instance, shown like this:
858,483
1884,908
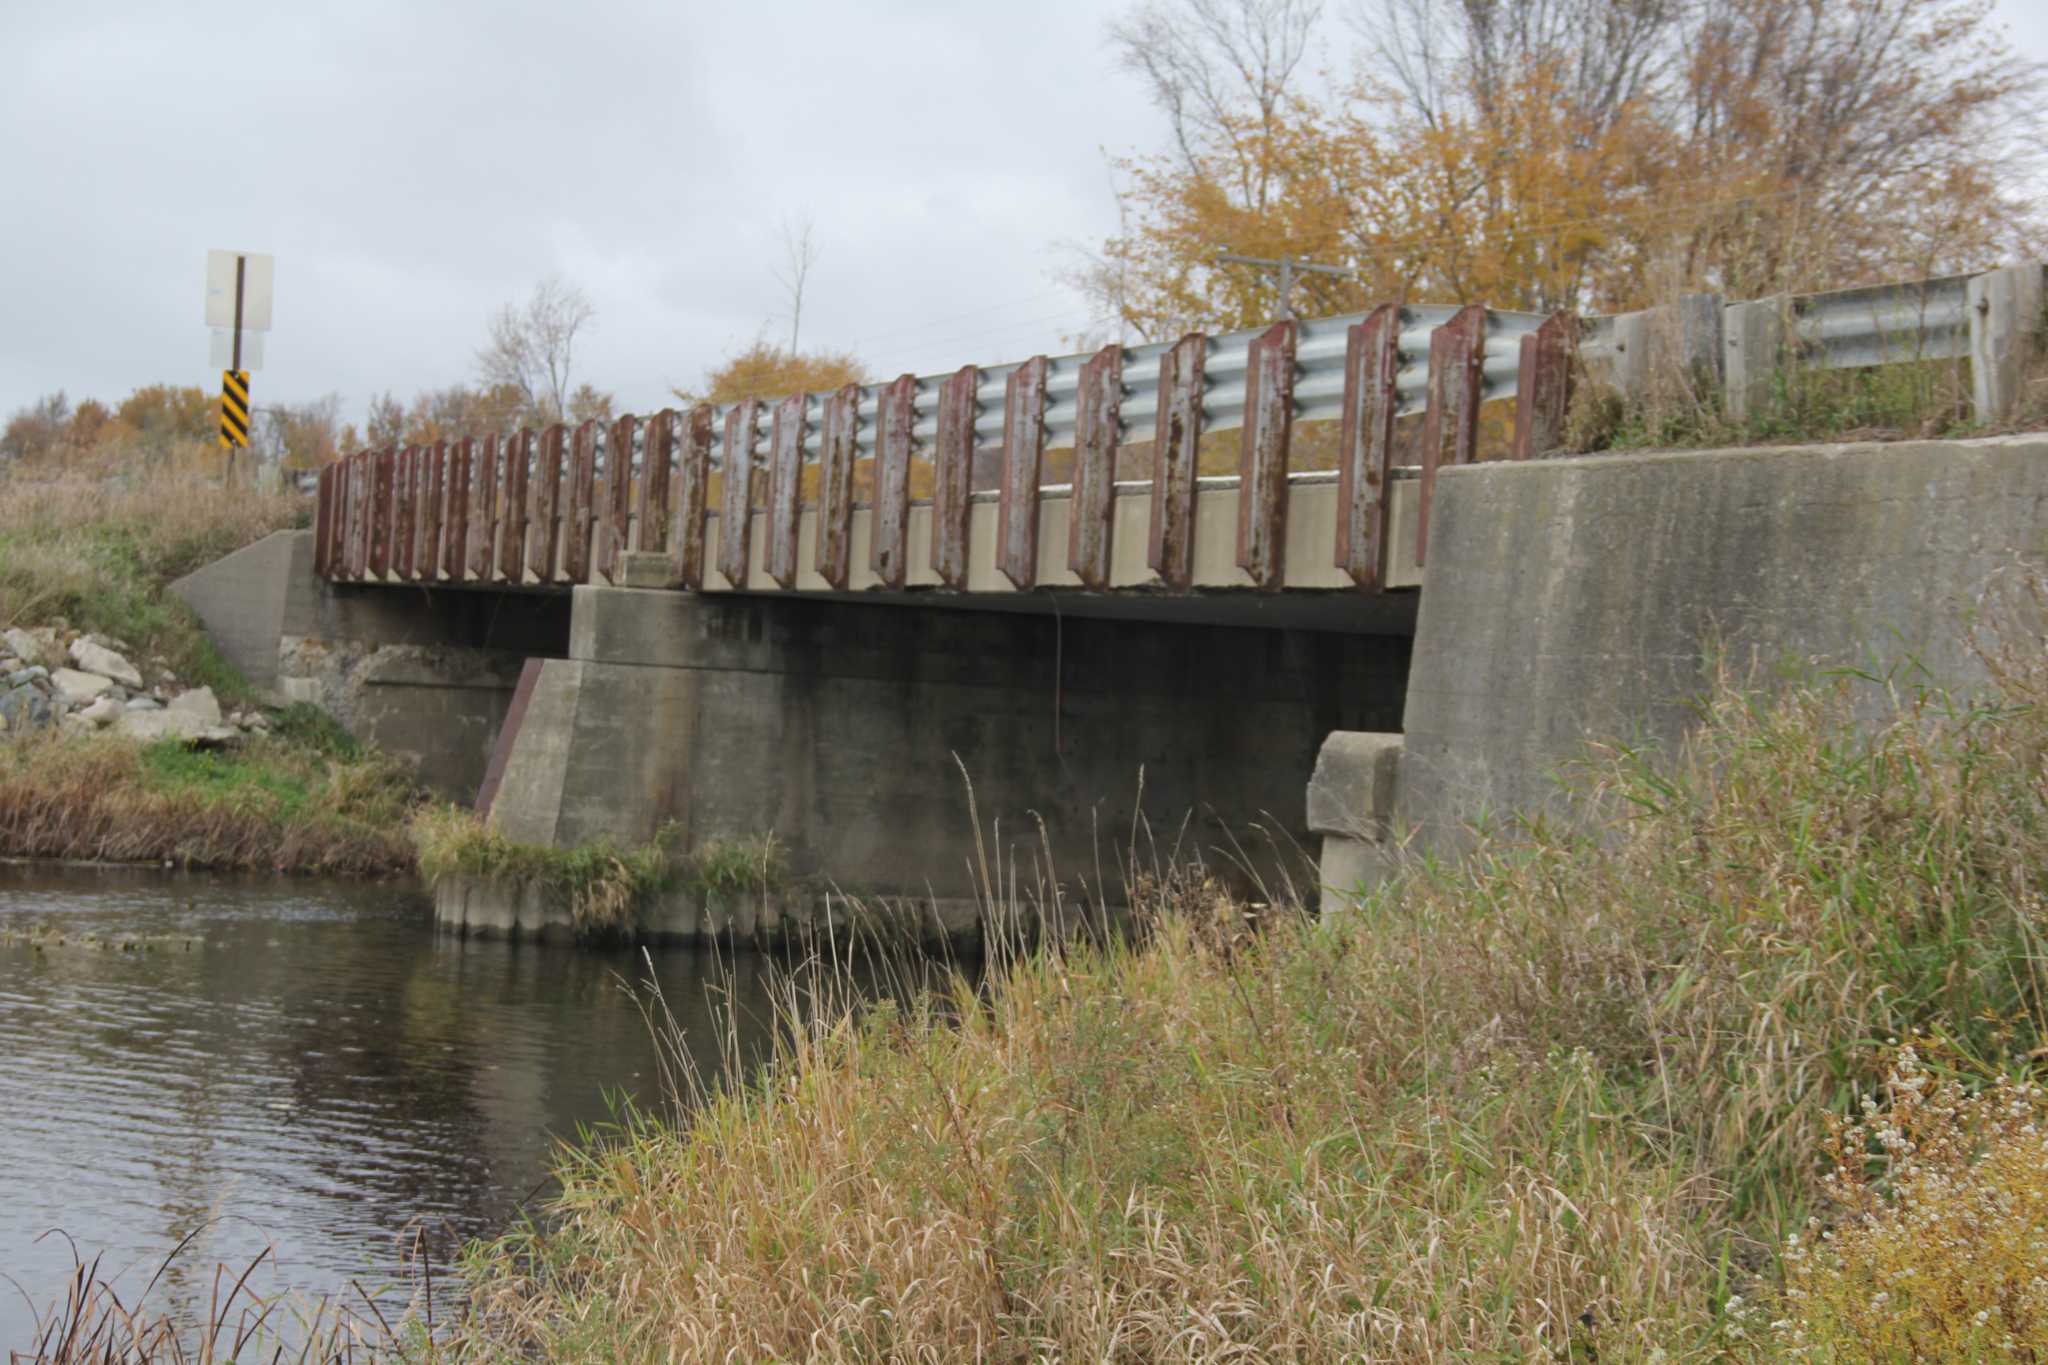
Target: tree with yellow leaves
764,370
1566,154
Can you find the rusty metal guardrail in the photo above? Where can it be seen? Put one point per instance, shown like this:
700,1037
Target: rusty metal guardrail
552,507
558,507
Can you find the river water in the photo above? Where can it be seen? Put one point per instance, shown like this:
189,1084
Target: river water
301,1065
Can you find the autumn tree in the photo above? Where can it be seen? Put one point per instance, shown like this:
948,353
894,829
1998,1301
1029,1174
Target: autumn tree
764,370
34,431
299,435
1580,154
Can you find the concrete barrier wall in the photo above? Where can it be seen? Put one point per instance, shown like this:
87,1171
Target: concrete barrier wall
1586,597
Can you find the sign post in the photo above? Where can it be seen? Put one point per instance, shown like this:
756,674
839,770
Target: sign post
238,293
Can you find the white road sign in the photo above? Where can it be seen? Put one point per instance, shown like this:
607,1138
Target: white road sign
258,276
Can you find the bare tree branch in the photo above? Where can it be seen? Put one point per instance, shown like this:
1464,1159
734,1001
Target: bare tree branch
532,347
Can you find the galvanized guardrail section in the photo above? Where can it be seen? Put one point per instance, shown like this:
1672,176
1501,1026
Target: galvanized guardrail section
560,507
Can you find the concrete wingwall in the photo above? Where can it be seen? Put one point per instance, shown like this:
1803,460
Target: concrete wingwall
1578,598
426,676
850,732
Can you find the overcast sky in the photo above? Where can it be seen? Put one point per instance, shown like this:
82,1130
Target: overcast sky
414,166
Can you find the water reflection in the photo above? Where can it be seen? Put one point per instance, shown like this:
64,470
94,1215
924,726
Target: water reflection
314,1069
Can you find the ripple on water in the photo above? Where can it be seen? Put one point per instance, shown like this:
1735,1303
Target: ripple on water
321,1072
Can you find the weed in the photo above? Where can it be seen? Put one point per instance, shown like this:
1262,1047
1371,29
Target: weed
602,884
266,805
99,554
1560,1101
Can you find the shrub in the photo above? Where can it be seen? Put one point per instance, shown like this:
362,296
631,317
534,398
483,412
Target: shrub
1938,1249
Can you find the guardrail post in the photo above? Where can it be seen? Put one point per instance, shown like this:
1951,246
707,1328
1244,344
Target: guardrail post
1262,458
2005,320
437,511
1457,360
785,487
1176,451
508,526
1755,338
1023,453
615,530
403,539
889,550
582,519
736,509
1098,426
657,451
382,512
1543,385
686,549
834,552
361,476
953,474
1365,448
455,544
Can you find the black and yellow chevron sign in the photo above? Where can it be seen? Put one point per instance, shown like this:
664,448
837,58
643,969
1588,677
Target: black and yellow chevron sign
234,408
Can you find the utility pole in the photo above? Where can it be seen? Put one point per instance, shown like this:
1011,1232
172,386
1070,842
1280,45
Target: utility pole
1285,268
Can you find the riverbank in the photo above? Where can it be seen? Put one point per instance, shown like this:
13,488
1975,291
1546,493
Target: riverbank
1699,1087
124,736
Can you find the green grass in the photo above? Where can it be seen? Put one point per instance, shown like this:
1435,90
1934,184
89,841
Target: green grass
1565,1100
269,804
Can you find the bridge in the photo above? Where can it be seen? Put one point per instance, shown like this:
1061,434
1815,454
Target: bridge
1092,473
1010,628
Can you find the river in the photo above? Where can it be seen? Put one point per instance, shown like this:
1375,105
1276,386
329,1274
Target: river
301,1065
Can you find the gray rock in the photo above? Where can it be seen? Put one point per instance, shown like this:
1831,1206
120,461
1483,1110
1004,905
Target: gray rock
198,702
144,704
21,677
101,712
97,658
23,645
79,688
149,726
24,708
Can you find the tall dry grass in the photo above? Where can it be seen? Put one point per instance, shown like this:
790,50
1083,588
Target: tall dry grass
1565,1100
272,806
98,553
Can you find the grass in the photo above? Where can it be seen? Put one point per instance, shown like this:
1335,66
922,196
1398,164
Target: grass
98,554
1570,1099
1907,399
269,805
603,884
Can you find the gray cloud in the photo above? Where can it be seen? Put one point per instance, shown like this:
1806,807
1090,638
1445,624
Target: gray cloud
412,167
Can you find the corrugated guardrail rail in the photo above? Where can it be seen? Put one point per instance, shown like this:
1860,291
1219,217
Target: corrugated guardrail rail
560,506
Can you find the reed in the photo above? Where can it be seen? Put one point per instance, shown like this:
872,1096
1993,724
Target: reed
1566,1099
94,1324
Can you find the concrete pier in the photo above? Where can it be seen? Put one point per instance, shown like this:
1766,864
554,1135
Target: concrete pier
870,740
